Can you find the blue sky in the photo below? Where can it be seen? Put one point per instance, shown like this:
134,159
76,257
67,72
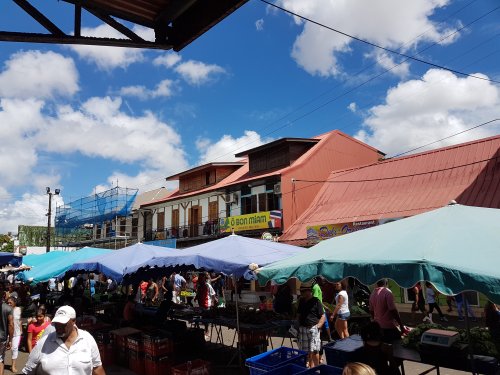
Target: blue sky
85,118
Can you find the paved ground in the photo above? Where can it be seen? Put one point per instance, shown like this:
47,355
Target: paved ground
228,334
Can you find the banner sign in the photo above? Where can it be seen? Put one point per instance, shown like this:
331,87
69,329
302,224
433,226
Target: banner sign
323,232
260,220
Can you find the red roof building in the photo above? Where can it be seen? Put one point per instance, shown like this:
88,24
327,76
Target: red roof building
364,196
256,194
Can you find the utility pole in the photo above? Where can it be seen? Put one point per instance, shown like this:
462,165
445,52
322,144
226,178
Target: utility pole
49,215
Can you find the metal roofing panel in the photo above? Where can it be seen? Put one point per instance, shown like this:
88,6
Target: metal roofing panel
405,186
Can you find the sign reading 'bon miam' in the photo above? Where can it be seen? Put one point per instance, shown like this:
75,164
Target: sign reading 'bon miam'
259,220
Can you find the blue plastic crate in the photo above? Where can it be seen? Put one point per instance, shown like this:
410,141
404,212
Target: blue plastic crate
271,360
323,370
290,368
340,352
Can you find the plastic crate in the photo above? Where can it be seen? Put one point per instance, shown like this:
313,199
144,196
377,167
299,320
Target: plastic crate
135,343
136,362
248,338
340,352
157,365
291,368
106,353
323,370
157,346
195,367
273,359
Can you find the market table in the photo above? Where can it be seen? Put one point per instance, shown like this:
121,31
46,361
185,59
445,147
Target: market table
402,353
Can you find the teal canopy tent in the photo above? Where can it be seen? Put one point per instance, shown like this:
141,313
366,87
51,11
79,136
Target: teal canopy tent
455,247
46,266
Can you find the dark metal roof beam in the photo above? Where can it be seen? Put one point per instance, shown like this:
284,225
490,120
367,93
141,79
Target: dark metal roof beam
78,20
7,36
116,25
39,17
174,9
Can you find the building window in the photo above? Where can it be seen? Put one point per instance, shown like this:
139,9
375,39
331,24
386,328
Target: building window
123,227
135,225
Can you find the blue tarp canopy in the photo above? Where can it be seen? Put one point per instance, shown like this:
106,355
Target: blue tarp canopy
46,266
230,255
10,258
115,263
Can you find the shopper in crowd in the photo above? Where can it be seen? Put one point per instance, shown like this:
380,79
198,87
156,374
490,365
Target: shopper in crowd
418,303
383,310
311,317
67,350
283,299
432,295
16,338
36,328
492,320
129,311
205,295
317,292
341,312
152,292
6,330
91,285
178,284
464,307
375,352
357,368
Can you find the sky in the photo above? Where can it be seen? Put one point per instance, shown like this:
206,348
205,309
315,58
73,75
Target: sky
84,119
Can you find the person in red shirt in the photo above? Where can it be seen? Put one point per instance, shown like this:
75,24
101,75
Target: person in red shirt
143,286
35,329
383,310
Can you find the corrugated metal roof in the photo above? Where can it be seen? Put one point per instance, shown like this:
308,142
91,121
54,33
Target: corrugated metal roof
468,173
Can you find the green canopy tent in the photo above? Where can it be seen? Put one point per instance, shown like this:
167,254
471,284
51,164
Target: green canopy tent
455,247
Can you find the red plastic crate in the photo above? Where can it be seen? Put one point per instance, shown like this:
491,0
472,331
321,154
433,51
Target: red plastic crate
157,365
157,347
248,338
136,362
195,367
135,343
106,352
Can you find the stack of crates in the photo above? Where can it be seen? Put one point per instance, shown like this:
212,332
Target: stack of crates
105,346
158,353
119,342
195,367
135,351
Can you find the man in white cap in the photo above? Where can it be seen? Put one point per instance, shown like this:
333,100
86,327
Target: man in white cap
67,350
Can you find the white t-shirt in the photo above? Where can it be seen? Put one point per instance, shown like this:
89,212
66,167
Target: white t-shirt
344,308
57,359
16,315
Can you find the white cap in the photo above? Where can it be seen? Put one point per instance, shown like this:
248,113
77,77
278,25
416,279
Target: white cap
64,314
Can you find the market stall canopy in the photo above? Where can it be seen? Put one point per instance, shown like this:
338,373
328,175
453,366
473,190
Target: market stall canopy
10,258
230,255
114,263
455,247
46,266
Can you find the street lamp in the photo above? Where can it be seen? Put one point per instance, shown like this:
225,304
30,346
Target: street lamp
49,214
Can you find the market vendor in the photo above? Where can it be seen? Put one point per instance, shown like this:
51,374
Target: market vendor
311,317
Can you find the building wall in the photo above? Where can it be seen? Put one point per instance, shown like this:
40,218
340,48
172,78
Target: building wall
334,152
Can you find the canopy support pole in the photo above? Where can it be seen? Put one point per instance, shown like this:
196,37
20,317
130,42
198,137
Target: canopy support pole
467,328
237,319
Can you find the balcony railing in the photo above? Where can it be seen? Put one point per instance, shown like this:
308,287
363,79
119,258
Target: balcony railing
186,231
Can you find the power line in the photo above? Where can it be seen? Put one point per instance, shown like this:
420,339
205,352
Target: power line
384,48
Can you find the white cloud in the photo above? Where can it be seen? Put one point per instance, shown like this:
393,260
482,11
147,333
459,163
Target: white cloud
105,57
167,60
259,24
352,107
162,89
197,73
418,112
316,49
386,61
29,210
36,74
225,148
